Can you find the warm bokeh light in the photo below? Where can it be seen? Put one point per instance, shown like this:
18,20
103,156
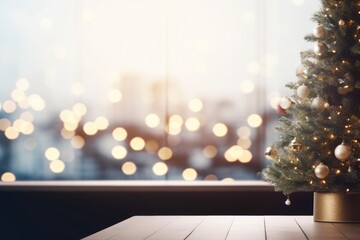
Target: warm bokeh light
254,120
228,179
232,154
173,130
23,84
175,125
220,129
71,126
101,123
67,116
26,128
11,133
119,152
195,105
18,95
4,124
160,169
137,143
152,120
9,106
176,121
52,153
57,166
8,177
77,142
90,128
36,102
114,96
27,116
79,109
246,156
210,151
247,86
129,168
151,146
67,134
119,134
211,177
244,132
24,104
189,174
244,142
192,124
165,153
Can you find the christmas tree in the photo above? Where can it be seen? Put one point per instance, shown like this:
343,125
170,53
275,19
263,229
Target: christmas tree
319,143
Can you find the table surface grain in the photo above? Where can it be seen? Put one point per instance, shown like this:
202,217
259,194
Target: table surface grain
227,227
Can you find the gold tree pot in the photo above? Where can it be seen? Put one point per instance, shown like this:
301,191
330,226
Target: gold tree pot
336,207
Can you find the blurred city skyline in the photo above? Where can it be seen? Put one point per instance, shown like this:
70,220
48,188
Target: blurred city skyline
136,63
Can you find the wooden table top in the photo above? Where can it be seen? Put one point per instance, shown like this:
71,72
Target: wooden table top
227,227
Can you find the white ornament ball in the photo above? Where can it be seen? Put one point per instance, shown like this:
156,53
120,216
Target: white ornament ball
318,103
303,91
285,103
319,31
320,48
288,202
321,171
342,152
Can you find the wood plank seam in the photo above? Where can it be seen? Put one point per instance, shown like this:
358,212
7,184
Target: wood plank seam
265,228
339,230
301,229
227,234
162,227
194,228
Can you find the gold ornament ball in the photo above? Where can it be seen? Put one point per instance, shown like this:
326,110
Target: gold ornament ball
342,152
320,48
341,22
295,145
321,171
270,153
319,31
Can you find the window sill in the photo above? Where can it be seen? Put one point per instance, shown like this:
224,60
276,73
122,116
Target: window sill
137,186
